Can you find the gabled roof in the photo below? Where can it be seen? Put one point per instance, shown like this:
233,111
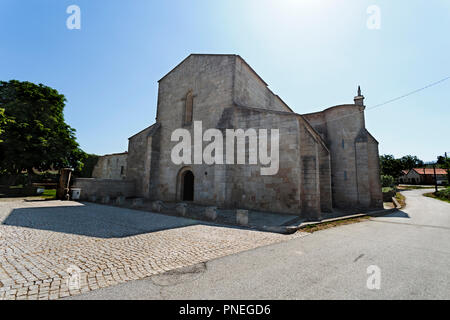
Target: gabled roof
213,54
149,127
243,61
115,154
195,54
427,171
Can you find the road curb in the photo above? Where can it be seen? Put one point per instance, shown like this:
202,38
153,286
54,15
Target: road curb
377,213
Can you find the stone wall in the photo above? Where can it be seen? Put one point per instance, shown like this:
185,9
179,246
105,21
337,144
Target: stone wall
104,187
296,187
354,156
328,160
376,196
247,188
111,166
210,78
139,159
251,91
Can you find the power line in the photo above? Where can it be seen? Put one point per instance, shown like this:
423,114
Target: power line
391,100
409,93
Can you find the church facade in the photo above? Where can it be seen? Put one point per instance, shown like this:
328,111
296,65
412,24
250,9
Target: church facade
327,159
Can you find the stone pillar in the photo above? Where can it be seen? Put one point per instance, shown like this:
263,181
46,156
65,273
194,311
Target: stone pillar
137,202
211,213
157,206
242,217
181,208
362,174
310,179
120,200
105,199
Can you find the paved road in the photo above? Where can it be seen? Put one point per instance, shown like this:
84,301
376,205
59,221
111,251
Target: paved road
44,244
411,247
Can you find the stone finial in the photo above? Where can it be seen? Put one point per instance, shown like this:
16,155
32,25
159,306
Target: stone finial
359,99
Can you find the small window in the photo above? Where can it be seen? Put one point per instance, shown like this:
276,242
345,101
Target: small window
121,170
345,175
343,144
189,104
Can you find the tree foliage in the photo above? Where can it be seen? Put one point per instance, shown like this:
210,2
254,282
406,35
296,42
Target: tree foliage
35,134
444,163
409,162
387,181
393,167
88,166
2,121
390,166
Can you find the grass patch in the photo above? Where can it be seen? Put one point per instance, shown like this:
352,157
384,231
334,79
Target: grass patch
401,199
49,194
26,191
326,225
443,195
413,187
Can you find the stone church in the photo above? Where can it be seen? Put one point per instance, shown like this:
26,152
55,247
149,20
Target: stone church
327,159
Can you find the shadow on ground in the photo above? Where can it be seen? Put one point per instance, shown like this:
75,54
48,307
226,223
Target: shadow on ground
94,220
397,214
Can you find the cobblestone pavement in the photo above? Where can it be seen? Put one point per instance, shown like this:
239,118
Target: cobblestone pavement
34,261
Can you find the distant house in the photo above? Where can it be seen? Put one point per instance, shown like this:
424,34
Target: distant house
403,178
423,176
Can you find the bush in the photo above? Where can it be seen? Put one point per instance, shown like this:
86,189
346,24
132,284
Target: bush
387,181
445,193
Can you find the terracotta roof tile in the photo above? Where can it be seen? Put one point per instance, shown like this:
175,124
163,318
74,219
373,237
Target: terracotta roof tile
430,171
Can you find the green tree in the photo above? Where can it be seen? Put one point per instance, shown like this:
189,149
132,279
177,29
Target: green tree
390,166
36,135
2,121
409,162
387,181
444,163
88,166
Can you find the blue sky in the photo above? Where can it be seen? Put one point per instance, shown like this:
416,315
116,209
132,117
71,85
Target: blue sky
312,53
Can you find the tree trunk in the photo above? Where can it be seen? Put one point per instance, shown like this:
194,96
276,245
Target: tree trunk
30,177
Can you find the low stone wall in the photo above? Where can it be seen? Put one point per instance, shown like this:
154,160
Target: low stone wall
104,187
387,196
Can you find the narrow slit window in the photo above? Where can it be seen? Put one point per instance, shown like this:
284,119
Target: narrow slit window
189,108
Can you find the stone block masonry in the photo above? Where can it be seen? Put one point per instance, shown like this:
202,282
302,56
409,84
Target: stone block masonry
98,188
327,159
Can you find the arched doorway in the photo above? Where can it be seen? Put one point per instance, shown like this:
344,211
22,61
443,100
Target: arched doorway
185,185
188,186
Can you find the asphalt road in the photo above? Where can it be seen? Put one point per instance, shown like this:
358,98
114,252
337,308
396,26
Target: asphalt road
410,247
